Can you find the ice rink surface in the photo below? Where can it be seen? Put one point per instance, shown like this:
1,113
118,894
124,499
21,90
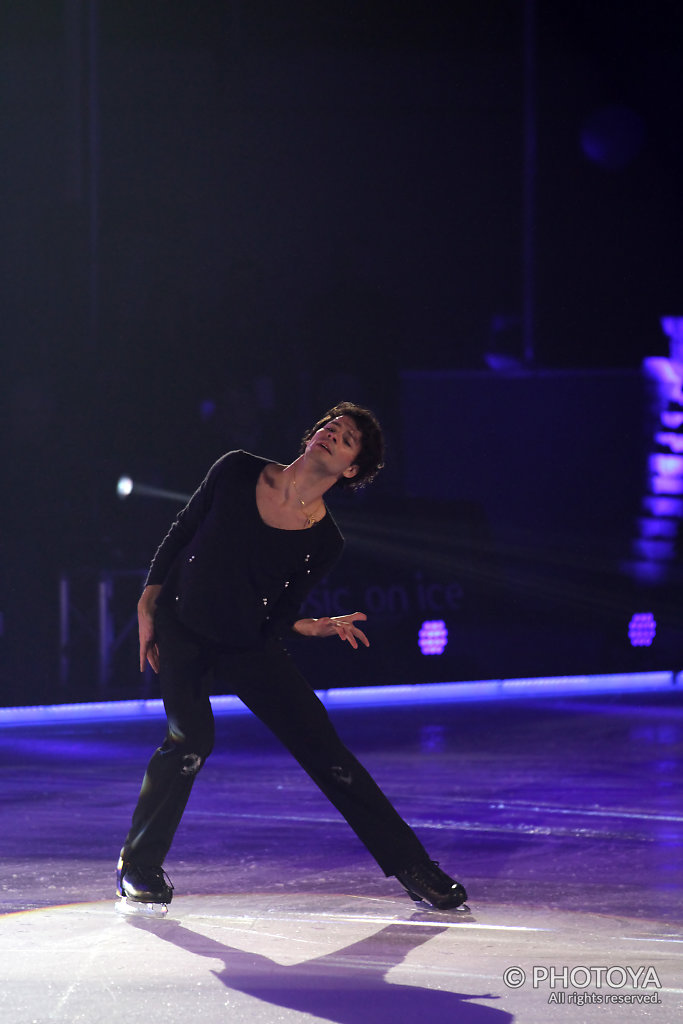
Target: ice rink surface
562,817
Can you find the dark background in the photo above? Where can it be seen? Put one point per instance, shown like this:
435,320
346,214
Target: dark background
217,218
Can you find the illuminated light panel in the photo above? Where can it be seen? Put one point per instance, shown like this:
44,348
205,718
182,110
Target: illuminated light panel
655,550
647,572
661,369
662,506
671,440
652,527
667,484
672,420
642,629
433,637
666,465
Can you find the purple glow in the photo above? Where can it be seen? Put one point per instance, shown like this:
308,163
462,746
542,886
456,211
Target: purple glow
662,369
667,485
666,465
642,629
207,409
673,328
670,440
671,420
652,528
654,550
648,572
664,506
433,637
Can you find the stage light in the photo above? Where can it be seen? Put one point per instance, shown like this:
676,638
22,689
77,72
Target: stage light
666,484
663,506
642,629
126,487
672,420
665,465
669,439
433,637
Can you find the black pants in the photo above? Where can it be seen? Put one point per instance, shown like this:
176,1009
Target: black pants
271,686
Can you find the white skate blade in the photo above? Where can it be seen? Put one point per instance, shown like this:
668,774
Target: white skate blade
130,908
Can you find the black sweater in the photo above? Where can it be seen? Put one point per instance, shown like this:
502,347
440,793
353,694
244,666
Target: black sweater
230,576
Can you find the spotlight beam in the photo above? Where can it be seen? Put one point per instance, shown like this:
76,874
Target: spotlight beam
125,487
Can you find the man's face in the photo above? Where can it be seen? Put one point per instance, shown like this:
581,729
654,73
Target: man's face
337,445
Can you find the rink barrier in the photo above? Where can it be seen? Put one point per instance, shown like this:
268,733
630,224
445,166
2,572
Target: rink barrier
371,696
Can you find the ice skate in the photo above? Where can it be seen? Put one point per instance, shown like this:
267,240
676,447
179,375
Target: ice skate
142,889
427,883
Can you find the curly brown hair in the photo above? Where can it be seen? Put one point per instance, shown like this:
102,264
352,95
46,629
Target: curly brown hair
371,455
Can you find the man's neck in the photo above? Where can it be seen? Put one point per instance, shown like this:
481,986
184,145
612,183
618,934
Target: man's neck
308,482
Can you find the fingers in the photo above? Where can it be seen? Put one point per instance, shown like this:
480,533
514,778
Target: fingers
153,658
343,626
149,653
148,648
361,636
347,631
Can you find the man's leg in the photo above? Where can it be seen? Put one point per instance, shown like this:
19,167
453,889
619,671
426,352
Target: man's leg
275,691
171,772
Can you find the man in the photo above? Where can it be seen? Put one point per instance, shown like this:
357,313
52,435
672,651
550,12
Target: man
225,586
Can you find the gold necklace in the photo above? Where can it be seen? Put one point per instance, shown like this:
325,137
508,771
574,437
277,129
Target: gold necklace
311,519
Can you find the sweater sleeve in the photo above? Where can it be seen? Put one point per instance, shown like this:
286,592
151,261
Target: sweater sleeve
186,524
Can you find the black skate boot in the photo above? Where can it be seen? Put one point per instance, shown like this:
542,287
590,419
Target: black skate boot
426,882
142,889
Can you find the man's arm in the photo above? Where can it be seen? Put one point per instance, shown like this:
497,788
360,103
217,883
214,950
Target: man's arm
187,522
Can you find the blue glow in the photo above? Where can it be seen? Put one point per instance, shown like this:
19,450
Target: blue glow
642,629
647,572
207,409
664,506
673,328
362,696
671,420
662,369
124,487
655,550
652,527
433,637
612,136
670,440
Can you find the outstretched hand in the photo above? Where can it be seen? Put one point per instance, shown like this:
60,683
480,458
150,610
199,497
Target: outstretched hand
342,626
